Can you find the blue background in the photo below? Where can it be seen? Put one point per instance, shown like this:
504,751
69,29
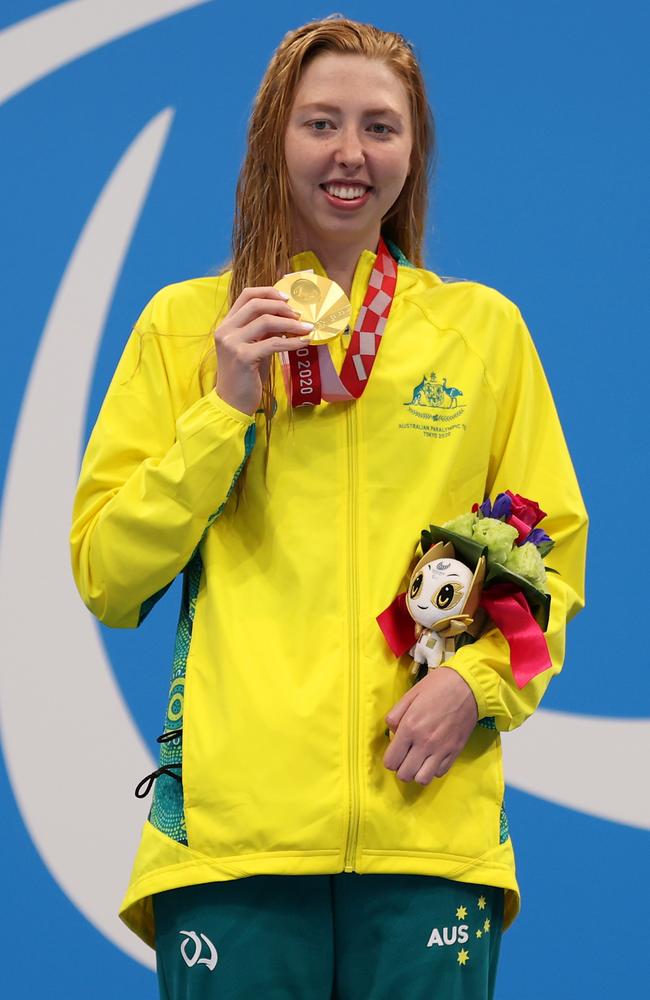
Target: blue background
540,190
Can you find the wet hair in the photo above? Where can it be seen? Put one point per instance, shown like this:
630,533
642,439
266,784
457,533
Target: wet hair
262,230
262,238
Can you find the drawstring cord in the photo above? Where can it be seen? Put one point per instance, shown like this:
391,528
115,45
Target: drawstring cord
144,787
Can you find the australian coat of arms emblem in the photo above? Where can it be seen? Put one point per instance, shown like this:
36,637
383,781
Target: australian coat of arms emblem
439,406
438,395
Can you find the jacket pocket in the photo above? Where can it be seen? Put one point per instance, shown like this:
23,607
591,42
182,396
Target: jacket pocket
457,814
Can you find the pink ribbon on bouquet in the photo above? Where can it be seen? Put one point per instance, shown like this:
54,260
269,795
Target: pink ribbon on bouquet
508,609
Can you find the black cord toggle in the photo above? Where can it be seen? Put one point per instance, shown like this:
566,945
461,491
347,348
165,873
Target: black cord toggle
144,787
169,735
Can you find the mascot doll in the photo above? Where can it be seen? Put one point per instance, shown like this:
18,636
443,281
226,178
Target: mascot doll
442,599
483,568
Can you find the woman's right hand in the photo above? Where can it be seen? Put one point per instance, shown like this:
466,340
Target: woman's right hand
246,340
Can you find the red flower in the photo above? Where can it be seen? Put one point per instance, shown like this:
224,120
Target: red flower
525,510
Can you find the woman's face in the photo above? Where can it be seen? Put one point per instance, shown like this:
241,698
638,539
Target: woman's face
347,148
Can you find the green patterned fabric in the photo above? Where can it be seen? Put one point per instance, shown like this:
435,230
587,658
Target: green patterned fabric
167,812
397,254
504,830
488,722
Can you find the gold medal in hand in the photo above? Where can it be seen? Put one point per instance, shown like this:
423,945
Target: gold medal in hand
319,301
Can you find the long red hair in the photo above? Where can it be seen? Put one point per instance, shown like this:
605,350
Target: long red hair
262,236
262,230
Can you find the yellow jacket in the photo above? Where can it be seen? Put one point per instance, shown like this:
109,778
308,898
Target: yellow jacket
282,679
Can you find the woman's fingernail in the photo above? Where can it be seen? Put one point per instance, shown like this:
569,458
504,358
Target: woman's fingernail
307,326
282,295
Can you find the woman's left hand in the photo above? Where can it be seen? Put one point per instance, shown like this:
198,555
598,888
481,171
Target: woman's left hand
432,723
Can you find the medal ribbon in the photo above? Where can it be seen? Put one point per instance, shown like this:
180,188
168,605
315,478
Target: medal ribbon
312,374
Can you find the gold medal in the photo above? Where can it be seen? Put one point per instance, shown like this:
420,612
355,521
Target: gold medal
319,301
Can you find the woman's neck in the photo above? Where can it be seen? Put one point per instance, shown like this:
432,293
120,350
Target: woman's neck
340,261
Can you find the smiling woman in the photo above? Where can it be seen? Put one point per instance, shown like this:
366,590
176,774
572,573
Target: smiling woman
348,153
284,824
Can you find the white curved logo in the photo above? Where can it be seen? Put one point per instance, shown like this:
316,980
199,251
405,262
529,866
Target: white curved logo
32,48
56,674
590,763
191,960
49,671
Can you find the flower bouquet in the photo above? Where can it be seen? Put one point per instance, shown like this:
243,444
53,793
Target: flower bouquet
503,541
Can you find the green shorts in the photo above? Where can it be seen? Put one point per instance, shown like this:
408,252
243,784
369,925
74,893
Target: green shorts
329,937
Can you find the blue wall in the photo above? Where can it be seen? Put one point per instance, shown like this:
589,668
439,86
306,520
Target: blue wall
540,191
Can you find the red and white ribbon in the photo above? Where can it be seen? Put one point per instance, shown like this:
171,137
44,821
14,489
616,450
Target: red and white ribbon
312,375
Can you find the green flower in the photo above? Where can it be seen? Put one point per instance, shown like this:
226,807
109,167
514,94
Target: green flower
527,562
462,525
497,535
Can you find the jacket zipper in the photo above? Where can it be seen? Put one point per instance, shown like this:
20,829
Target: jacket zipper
353,611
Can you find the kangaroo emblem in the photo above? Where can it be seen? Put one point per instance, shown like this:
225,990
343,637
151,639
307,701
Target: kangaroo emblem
417,392
434,394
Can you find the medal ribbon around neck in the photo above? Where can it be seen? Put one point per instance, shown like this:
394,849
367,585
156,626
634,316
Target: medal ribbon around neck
311,376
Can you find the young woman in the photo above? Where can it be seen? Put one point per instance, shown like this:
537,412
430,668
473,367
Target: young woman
291,848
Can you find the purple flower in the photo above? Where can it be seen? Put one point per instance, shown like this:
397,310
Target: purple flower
502,506
486,508
537,536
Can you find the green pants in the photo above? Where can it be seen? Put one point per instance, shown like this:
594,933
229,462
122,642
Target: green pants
329,937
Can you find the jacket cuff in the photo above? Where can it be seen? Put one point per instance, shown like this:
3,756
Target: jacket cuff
230,411
483,683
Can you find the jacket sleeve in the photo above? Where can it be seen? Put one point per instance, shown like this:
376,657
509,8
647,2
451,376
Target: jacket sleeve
153,476
528,456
